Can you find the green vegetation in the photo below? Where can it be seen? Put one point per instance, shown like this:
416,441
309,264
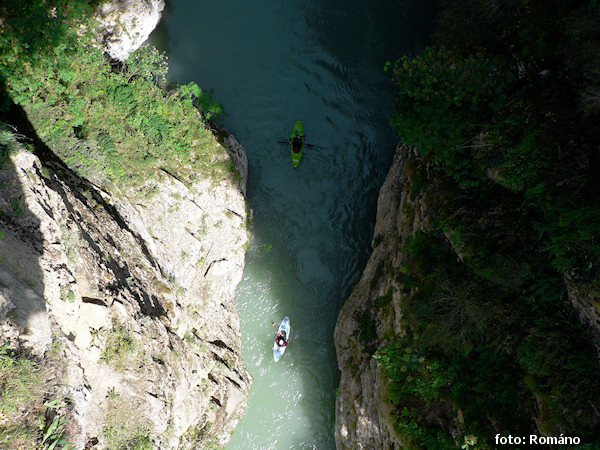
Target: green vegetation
111,123
504,111
474,346
201,436
8,141
67,294
125,427
28,416
119,347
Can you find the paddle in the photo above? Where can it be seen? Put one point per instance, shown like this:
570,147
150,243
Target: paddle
305,144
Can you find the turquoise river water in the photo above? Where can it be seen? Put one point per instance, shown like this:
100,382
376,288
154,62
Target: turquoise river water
271,63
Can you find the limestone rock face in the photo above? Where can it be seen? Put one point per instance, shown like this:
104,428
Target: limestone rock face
126,24
236,152
585,303
372,315
360,406
137,289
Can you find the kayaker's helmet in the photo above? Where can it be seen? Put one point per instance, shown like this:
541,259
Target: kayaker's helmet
280,341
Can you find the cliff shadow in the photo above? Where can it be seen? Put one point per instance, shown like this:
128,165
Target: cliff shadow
31,29
22,247
160,35
21,242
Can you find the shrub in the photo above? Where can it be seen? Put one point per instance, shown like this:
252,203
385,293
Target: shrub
125,426
30,418
119,347
109,125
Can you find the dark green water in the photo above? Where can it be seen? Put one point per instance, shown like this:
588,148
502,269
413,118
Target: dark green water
271,63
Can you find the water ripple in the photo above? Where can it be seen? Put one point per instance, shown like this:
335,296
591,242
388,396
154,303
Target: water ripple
270,64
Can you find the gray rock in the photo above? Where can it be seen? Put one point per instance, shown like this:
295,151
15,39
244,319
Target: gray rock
138,292
362,412
126,24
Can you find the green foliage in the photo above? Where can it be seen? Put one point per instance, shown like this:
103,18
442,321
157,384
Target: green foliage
108,125
412,372
7,142
204,100
67,294
20,378
125,427
106,143
28,420
54,428
509,160
17,211
368,330
203,437
477,343
490,103
119,347
458,93
416,381
149,63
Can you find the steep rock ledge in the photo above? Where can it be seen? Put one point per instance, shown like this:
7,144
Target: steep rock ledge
370,315
373,316
129,290
120,293
138,292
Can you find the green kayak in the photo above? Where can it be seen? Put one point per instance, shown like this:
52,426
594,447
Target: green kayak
297,142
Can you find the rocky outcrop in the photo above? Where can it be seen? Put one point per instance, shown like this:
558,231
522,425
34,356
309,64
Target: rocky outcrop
371,315
376,314
585,302
131,289
136,289
125,24
236,152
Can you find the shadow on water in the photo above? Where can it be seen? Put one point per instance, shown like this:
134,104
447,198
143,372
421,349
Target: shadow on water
160,35
355,38
388,29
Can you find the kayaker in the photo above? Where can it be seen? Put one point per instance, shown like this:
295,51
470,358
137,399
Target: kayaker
297,143
281,339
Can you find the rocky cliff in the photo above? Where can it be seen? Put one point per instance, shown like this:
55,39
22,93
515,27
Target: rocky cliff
124,295
137,292
370,316
430,358
480,321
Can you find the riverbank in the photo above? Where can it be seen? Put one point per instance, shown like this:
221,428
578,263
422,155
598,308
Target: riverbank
311,225
123,237
475,318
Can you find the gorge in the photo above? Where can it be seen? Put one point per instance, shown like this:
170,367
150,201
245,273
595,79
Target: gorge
134,229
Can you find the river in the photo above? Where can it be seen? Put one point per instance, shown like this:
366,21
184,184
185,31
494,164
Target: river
270,63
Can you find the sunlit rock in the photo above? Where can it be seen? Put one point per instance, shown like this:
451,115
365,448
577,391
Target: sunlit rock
126,24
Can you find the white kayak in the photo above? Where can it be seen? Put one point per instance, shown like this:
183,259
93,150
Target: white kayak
284,330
